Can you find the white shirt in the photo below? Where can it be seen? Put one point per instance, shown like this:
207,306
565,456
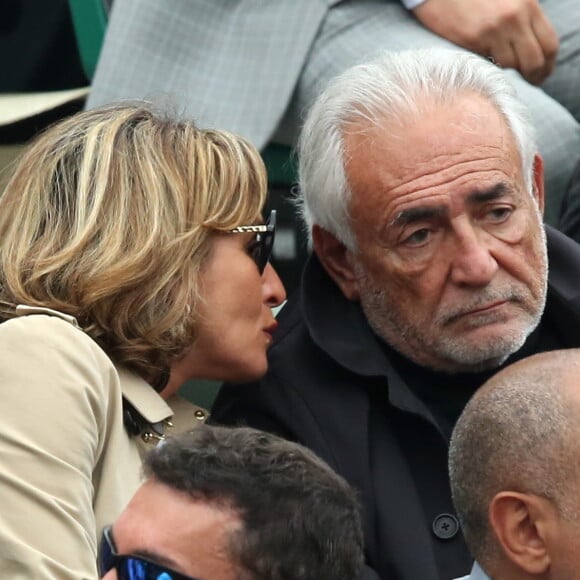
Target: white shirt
410,4
476,574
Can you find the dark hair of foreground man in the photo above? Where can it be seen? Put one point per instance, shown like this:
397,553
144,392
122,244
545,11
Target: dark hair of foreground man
300,520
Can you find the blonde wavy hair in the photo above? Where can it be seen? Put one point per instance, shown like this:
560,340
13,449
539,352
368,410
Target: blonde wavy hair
109,217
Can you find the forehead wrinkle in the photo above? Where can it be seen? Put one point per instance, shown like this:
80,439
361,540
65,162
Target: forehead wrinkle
430,177
415,214
496,191
421,195
432,209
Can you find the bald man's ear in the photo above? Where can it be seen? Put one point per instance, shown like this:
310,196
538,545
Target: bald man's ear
337,260
538,182
522,524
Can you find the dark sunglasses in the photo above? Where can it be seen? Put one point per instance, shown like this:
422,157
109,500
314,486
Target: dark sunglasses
261,248
132,567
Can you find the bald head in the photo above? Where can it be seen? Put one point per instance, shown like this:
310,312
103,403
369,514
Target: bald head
545,370
520,433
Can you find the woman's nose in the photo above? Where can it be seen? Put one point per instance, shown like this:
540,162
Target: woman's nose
272,288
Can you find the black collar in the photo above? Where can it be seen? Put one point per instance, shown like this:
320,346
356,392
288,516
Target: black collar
337,325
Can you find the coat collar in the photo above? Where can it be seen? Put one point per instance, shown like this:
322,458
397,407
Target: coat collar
339,327
143,397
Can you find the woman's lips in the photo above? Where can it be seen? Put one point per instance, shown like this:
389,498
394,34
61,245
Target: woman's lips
269,330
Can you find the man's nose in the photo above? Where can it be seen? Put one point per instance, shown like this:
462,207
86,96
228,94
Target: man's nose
473,264
273,291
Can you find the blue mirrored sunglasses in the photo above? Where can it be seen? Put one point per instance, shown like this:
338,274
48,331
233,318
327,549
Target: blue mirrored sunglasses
261,249
132,567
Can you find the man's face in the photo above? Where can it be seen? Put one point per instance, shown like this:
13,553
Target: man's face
170,528
451,263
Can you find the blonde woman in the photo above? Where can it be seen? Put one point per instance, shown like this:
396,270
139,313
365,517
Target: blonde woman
133,256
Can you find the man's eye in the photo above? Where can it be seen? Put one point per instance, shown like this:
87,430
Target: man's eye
499,214
418,238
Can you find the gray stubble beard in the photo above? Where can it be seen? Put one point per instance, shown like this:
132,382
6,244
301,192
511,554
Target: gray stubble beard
455,355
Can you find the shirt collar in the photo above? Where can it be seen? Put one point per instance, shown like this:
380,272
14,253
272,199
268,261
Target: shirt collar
477,573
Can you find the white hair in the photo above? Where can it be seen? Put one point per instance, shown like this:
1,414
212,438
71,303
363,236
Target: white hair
389,88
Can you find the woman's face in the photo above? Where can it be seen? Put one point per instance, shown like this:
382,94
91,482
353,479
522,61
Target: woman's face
235,322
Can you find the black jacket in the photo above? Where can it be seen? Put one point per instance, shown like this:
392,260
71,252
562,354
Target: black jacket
570,210
331,387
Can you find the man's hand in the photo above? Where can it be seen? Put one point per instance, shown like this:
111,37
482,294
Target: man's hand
515,33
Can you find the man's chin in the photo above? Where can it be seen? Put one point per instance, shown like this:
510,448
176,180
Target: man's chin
484,349
454,356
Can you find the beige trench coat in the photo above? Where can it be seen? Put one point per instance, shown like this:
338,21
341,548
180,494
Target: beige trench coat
67,465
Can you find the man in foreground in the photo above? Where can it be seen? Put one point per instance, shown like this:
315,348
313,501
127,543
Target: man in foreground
423,194
514,471
235,504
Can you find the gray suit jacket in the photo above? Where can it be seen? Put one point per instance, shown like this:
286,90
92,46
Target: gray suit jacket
232,62
237,64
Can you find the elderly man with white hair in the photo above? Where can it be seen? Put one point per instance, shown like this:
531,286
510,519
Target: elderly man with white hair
423,192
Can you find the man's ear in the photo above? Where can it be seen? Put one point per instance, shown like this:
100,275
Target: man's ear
337,261
522,524
538,182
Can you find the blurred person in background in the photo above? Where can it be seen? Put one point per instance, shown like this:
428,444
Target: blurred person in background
255,67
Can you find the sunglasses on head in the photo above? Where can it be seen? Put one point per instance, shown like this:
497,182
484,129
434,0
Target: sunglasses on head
132,567
261,248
